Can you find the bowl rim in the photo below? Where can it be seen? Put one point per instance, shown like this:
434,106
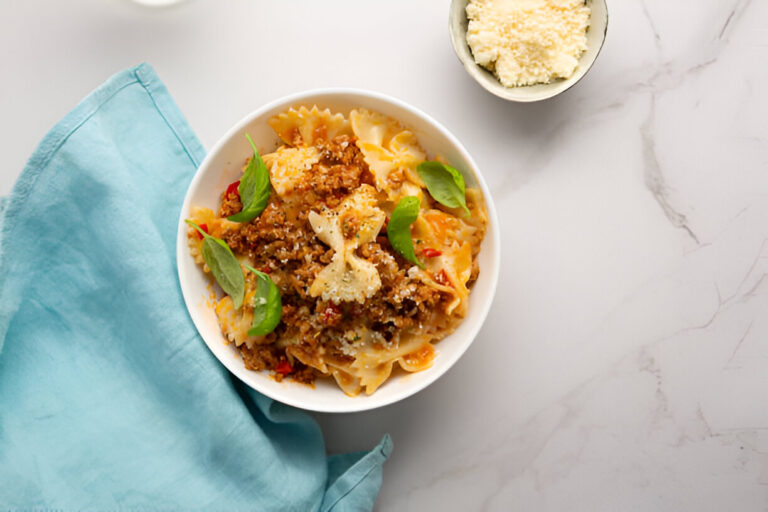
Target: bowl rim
347,404
459,39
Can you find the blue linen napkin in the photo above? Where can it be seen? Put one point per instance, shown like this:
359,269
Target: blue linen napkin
109,399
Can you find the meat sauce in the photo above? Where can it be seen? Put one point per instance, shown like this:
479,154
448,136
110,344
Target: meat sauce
281,241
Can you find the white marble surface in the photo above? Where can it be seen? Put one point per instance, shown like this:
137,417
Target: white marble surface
624,365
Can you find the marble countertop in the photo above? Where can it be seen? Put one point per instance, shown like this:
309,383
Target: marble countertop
624,365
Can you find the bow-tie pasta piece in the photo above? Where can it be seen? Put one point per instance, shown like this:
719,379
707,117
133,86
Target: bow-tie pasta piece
355,222
372,127
391,152
305,127
235,323
408,155
213,225
373,360
288,167
388,177
450,271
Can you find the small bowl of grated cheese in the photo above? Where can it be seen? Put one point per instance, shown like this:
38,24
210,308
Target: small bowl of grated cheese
527,50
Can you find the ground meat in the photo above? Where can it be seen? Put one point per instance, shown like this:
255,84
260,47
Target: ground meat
342,150
230,203
260,357
340,170
304,374
269,357
330,313
401,301
350,225
275,241
281,241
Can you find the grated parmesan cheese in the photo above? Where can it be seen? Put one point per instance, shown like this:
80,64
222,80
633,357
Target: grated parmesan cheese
526,42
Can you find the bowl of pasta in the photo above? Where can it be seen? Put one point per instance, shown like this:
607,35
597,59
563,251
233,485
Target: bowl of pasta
338,250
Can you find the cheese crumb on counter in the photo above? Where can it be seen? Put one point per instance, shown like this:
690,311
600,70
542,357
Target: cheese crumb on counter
526,42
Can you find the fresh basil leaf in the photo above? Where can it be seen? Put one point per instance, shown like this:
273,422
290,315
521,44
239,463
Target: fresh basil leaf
254,188
267,305
445,184
399,227
224,266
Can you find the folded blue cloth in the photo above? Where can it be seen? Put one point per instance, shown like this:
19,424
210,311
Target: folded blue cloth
109,398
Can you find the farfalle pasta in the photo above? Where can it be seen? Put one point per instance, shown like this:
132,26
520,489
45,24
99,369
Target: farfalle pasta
354,305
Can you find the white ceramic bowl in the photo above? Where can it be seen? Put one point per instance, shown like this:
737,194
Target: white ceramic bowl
458,22
222,166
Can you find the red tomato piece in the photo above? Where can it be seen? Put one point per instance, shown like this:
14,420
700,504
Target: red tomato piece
332,314
442,278
232,189
431,253
284,368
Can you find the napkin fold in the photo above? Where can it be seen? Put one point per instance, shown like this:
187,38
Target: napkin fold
109,399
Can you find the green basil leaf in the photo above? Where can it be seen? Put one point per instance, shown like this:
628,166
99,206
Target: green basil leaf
224,266
254,188
399,227
267,305
445,184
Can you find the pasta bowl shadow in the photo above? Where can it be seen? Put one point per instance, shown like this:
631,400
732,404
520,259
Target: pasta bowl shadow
223,165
